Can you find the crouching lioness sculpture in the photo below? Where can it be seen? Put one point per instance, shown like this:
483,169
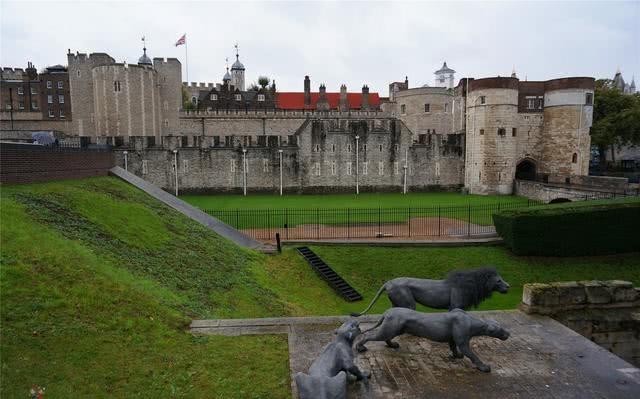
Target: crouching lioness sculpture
456,327
327,378
461,289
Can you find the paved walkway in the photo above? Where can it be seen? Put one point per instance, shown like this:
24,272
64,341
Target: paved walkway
190,211
541,359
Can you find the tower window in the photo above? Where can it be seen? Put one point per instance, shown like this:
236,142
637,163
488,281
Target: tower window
574,158
483,100
380,147
481,132
427,107
194,100
514,131
531,103
446,108
588,99
502,131
116,85
403,109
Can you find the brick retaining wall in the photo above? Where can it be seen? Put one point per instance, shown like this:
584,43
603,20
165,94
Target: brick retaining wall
27,163
606,312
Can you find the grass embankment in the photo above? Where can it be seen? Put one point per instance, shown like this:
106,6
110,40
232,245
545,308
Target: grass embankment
261,210
99,284
367,268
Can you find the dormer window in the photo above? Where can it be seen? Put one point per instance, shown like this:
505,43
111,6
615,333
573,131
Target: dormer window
238,97
214,97
260,97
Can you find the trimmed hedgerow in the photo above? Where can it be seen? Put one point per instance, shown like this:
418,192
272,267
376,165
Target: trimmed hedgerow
572,229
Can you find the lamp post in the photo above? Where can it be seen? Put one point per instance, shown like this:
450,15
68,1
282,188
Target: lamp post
126,163
405,167
280,153
175,165
357,167
244,171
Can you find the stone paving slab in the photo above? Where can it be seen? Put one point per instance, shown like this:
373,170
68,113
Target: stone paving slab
541,359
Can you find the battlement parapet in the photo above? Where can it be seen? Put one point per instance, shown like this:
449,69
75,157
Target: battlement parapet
12,73
199,85
280,113
169,60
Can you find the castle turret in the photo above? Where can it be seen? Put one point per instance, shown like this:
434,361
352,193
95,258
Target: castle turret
307,92
323,101
237,72
344,102
445,76
632,86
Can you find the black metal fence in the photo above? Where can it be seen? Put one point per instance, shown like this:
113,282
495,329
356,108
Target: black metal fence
353,223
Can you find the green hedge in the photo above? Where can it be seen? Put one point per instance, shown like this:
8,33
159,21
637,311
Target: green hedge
572,229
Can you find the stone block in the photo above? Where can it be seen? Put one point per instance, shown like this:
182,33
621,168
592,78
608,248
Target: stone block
597,292
570,293
535,294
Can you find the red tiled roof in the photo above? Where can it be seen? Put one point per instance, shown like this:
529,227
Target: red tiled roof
295,100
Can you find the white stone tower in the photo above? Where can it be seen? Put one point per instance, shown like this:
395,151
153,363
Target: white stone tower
444,76
237,72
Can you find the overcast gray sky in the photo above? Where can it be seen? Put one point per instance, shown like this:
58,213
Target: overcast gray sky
336,42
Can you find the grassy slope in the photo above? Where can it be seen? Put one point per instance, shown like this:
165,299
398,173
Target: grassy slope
367,268
99,283
365,200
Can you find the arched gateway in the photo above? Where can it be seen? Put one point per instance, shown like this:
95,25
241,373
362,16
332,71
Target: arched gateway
526,169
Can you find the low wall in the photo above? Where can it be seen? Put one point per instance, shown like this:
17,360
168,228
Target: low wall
589,188
28,163
606,312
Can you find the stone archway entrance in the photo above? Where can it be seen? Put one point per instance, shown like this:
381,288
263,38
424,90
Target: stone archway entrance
526,170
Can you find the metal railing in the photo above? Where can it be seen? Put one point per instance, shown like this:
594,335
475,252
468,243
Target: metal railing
354,223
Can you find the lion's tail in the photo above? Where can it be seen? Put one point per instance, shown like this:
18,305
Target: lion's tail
375,298
376,326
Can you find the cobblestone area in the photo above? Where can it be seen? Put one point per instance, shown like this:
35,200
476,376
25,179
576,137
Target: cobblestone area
541,359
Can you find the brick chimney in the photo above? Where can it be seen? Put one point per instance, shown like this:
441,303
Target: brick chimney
344,102
365,98
323,102
307,92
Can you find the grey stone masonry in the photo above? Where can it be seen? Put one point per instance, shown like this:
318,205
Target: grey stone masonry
192,212
606,312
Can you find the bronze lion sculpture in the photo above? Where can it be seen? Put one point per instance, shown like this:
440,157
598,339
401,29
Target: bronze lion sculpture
461,289
456,327
327,378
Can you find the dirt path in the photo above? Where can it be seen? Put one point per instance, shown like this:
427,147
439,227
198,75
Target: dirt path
416,228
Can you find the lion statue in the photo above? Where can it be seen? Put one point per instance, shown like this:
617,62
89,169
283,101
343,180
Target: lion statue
461,289
327,378
456,327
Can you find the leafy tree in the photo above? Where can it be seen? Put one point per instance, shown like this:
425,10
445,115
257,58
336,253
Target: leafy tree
263,81
187,105
616,119
254,87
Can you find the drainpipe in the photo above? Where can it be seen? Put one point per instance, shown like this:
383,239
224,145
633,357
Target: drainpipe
280,152
357,167
126,163
244,171
405,167
175,162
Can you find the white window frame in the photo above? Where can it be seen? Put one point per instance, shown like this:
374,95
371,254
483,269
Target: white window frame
60,84
20,104
49,84
49,99
238,97
62,113
531,103
213,97
20,91
261,97
34,104
34,91
60,99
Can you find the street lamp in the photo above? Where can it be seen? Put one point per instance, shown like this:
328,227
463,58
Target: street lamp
175,166
126,163
280,153
405,167
357,167
244,171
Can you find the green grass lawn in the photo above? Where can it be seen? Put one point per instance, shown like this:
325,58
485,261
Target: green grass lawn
98,286
261,211
367,268
99,283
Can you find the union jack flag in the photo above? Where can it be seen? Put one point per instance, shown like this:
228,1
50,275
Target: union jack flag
182,40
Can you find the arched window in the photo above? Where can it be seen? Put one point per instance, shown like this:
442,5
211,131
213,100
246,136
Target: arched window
574,158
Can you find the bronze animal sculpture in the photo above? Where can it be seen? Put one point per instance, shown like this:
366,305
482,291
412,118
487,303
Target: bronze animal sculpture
456,327
327,378
461,289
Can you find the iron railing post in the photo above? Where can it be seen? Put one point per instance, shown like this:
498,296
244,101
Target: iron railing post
469,222
409,217
439,216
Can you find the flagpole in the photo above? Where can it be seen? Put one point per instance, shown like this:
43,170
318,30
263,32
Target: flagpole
186,56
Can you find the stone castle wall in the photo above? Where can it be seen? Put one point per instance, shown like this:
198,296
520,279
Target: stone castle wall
605,312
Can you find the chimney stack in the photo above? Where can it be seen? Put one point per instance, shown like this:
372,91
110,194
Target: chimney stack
307,92
323,102
365,98
344,102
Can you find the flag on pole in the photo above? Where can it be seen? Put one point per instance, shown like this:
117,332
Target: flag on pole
182,40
